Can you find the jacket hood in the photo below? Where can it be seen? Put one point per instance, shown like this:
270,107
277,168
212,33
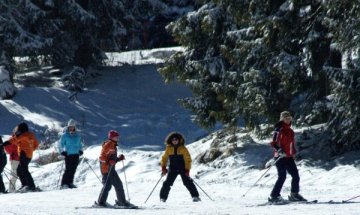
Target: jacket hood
177,135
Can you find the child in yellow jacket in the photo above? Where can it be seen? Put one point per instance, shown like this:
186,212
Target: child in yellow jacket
180,163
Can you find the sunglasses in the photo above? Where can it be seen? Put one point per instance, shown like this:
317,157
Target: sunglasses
71,128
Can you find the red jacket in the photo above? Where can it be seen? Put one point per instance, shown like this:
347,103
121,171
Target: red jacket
284,138
12,150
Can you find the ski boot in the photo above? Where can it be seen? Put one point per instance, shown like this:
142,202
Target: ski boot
296,197
196,199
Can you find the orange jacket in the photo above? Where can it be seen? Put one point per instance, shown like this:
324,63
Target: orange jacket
26,142
108,151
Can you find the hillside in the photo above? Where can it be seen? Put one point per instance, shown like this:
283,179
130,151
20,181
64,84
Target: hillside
144,110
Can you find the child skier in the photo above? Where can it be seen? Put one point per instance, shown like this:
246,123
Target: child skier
12,150
70,146
108,159
284,146
180,163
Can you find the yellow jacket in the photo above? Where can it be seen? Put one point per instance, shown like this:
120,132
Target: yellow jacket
178,155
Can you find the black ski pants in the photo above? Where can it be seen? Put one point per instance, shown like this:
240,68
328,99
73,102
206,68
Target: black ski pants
283,165
2,166
171,176
23,171
108,180
71,163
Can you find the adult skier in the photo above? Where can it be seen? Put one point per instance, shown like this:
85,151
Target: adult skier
108,159
180,164
26,143
70,146
284,147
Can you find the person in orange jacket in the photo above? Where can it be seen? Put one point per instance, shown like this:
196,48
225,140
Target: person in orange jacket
12,150
108,159
26,143
180,164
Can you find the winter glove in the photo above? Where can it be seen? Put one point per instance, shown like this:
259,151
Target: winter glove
81,152
121,157
164,170
281,153
298,157
64,154
112,162
187,173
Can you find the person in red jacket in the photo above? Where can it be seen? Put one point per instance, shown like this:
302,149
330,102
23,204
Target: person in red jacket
284,146
12,150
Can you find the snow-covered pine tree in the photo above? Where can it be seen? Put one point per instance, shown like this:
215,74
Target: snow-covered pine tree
246,59
343,69
20,22
202,66
79,31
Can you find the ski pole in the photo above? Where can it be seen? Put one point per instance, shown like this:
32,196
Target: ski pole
154,188
201,189
11,173
92,169
62,167
106,181
351,198
262,175
127,187
275,175
11,184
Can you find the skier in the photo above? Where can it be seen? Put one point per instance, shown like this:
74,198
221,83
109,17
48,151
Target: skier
180,163
2,166
26,143
12,150
284,147
108,159
70,146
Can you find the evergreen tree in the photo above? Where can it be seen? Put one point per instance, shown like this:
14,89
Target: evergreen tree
343,70
248,59
252,59
79,31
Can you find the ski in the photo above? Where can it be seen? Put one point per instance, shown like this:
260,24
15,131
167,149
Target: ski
108,206
287,202
26,190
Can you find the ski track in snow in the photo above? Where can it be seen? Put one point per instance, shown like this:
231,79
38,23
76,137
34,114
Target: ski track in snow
144,172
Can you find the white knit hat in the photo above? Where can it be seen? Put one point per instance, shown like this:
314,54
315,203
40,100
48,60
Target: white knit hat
284,115
71,123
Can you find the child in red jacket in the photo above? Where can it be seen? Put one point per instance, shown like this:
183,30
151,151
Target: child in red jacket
12,150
